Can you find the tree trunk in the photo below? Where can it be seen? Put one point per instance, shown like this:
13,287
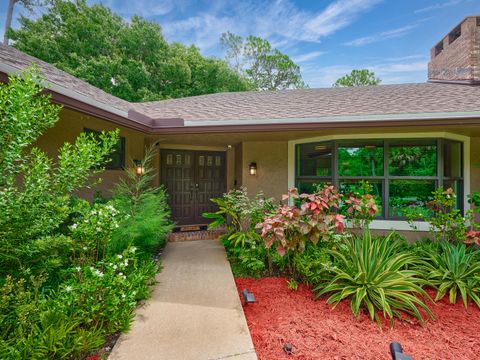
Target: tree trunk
8,22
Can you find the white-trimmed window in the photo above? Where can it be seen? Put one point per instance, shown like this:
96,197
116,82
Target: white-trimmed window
402,172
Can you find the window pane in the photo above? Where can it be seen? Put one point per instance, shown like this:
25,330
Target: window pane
350,187
360,158
413,158
452,157
310,186
457,187
409,193
314,159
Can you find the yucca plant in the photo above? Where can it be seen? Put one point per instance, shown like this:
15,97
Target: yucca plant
454,269
373,274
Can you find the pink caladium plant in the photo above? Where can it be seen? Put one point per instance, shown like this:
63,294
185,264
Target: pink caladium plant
305,217
363,209
472,237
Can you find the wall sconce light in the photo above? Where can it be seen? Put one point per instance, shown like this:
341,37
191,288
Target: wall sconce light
139,168
252,168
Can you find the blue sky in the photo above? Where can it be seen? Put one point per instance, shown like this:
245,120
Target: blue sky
327,38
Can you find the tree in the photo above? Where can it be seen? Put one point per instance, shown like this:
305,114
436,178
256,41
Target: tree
266,67
27,4
131,60
362,77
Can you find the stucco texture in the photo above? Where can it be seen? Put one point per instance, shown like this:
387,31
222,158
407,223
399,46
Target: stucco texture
272,167
71,124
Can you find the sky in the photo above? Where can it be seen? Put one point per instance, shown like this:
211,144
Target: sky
327,38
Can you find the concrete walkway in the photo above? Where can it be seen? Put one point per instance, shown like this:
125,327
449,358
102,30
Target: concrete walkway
194,313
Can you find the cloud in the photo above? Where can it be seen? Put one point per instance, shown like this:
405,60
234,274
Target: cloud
336,16
280,21
307,56
438,6
384,35
144,8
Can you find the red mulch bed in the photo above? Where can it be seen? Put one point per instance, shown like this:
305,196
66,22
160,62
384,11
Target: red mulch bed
317,331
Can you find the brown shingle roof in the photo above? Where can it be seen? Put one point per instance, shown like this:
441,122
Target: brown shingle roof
382,100
326,102
19,60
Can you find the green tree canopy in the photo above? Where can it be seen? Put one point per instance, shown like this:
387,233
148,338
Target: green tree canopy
266,67
131,60
362,77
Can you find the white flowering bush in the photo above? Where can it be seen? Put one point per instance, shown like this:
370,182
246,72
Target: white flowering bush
106,294
93,228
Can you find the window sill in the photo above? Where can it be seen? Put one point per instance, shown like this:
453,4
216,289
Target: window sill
400,225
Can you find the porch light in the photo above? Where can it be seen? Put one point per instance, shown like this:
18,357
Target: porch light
139,168
252,168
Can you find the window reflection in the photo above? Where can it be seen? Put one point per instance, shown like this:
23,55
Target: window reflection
412,158
360,158
314,159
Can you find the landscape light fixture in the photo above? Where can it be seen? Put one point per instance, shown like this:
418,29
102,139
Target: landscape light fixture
248,297
288,348
397,352
139,168
252,168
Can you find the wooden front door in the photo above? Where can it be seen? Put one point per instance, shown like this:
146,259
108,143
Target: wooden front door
192,178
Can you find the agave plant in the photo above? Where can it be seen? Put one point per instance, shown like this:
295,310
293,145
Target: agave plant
455,268
373,274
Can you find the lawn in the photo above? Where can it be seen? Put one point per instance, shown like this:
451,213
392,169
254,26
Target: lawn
317,331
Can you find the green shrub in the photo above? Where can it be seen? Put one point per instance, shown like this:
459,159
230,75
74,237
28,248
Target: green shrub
61,291
314,264
373,275
147,221
35,191
245,247
35,327
73,320
454,269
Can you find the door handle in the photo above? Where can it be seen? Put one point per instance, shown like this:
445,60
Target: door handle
192,188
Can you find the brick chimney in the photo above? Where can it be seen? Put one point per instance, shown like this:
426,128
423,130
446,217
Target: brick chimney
456,58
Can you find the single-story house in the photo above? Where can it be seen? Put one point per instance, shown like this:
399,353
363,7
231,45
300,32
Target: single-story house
405,139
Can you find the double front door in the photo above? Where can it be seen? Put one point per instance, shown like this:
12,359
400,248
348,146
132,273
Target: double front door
192,178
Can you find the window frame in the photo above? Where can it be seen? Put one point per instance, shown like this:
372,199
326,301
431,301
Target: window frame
439,179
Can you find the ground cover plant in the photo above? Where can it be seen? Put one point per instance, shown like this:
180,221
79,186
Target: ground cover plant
69,274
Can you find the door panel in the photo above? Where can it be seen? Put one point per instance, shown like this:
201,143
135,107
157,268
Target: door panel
192,178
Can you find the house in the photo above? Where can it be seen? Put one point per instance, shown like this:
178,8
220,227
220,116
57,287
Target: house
405,139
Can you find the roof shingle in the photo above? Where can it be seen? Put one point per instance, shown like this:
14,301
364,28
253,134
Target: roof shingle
434,98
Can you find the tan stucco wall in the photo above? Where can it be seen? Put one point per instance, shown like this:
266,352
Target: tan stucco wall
272,167
238,165
71,124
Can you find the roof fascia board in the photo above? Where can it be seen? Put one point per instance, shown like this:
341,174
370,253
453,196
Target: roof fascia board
340,118
314,126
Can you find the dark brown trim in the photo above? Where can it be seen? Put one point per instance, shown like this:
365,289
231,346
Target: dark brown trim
154,123
88,109
312,126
